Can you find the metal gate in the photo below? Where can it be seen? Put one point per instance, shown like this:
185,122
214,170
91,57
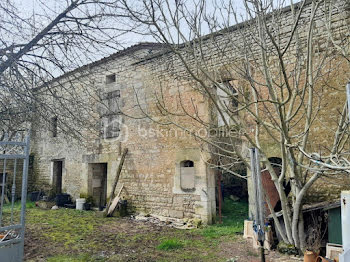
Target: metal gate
14,160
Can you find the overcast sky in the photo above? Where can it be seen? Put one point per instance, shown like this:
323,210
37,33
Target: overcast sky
30,7
44,11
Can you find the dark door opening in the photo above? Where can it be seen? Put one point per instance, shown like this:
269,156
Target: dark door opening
234,187
57,176
98,184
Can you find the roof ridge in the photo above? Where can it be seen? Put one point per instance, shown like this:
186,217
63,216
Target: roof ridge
116,54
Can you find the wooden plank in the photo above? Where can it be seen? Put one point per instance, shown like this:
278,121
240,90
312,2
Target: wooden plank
115,202
119,170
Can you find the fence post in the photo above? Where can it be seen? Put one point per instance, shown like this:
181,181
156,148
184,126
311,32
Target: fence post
348,98
259,219
345,218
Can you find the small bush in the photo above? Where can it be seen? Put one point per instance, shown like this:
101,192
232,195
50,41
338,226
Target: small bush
170,244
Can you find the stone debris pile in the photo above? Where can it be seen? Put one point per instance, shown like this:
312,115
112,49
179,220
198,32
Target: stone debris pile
187,223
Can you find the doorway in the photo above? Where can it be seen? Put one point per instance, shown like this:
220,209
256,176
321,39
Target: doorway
97,184
57,176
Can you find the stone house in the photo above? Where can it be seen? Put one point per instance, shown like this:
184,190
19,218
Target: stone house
167,171
164,173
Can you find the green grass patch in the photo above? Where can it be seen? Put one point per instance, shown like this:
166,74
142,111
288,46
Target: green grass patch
170,244
234,214
69,227
68,235
17,206
16,212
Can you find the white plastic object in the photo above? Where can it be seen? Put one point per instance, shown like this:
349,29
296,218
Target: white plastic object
80,203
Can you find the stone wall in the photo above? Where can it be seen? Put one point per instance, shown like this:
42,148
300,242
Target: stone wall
150,170
221,52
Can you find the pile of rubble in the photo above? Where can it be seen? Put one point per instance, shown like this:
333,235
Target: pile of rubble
186,223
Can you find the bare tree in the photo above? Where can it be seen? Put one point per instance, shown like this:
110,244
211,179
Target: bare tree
57,37
265,80
269,80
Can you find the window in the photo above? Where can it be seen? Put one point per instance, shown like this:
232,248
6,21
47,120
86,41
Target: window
54,126
228,101
187,175
110,79
187,163
110,115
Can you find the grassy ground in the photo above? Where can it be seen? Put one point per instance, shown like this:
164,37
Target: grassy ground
67,235
233,214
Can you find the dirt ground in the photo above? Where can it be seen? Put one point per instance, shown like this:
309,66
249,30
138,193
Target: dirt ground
73,236
241,250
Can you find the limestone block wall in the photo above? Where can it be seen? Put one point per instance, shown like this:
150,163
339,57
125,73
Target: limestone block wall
45,150
222,51
150,170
